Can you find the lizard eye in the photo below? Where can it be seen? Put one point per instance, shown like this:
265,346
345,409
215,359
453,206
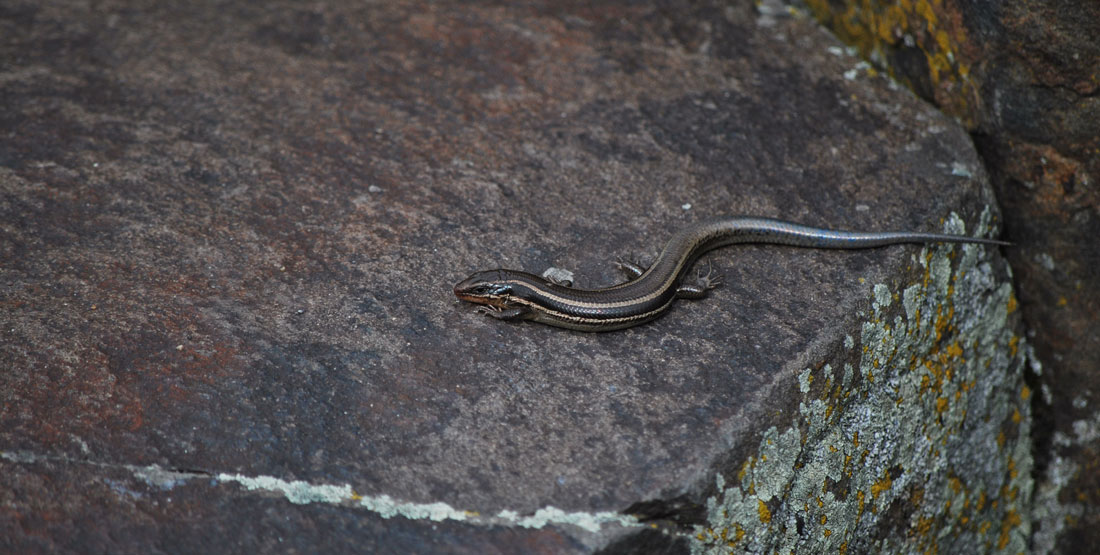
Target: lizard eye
483,286
490,289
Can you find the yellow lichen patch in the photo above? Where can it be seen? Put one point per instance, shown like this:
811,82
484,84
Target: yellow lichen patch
882,484
1014,345
940,324
1013,304
765,514
1025,393
941,405
917,497
932,367
1011,520
955,483
924,526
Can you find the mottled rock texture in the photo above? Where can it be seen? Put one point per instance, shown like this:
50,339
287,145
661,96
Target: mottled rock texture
1024,77
228,236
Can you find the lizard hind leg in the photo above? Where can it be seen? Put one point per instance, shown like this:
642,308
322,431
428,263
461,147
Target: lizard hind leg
698,290
632,270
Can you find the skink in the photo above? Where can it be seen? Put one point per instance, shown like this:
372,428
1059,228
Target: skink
514,295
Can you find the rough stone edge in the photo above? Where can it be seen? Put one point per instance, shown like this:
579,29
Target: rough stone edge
881,430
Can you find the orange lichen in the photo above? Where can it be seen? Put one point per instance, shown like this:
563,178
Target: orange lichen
882,484
765,514
1011,520
924,526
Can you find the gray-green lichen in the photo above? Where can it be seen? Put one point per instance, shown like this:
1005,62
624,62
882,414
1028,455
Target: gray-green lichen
916,438
1051,516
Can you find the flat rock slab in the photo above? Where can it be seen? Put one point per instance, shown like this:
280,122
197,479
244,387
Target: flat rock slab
228,237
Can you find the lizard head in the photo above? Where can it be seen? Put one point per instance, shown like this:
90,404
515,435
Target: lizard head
490,287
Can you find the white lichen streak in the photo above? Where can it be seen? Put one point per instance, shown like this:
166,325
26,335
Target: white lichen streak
302,493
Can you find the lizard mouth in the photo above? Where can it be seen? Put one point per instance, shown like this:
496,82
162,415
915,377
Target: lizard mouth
476,289
472,294
472,298
496,302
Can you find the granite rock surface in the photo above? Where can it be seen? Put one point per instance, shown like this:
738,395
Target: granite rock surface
228,236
